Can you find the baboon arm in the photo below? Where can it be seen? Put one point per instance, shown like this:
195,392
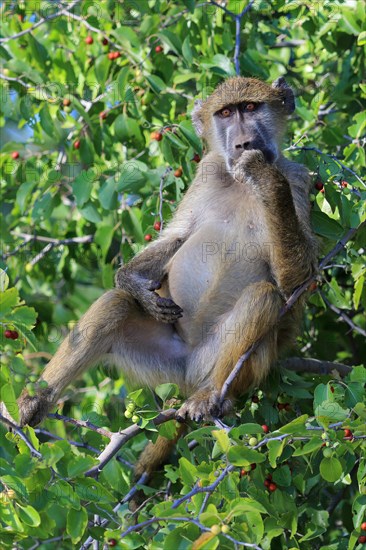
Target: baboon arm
293,251
144,274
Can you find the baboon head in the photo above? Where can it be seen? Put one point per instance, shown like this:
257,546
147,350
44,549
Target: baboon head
242,114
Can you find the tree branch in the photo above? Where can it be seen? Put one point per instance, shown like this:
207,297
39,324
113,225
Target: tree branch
119,439
304,364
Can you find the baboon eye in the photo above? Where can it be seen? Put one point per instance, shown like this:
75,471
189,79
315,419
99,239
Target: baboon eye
251,107
224,113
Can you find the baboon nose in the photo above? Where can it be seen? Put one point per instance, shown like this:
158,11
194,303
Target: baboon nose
245,145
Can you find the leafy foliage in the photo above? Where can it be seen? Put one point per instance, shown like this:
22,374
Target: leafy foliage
95,99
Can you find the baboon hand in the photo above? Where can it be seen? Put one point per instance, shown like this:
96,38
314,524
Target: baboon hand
204,405
33,409
162,309
248,164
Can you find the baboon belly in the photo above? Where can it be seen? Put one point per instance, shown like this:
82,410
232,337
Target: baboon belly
215,260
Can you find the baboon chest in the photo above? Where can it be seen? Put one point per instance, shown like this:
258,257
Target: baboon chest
228,250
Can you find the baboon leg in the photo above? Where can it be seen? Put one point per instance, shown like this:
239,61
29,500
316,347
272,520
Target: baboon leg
104,333
254,316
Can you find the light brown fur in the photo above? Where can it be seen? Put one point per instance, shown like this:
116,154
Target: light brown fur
239,243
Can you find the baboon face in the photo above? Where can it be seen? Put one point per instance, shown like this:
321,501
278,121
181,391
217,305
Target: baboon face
243,114
243,127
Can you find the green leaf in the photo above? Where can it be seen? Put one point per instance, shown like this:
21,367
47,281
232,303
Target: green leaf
294,426
156,84
167,391
242,456
79,465
223,439
8,300
314,444
186,127
187,51
330,469
28,515
188,472
329,412
108,194
7,396
103,237
76,523
4,281
90,213
82,187
275,449
325,226
24,316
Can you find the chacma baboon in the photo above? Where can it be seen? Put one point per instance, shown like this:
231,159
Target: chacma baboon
191,303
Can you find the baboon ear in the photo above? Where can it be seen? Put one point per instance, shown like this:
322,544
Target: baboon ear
196,117
289,98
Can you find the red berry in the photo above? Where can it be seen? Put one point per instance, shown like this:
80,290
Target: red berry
178,173
344,183
15,155
267,482
103,115
265,428
269,476
105,41
363,526
272,487
148,237
348,433
362,539
116,55
111,55
313,286
319,185
253,466
196,158
14,335
280,406
89,40
157,226
157,136
77,144
331,389
243,473
255,399
8,334
159,49
112,542
66,102
287,407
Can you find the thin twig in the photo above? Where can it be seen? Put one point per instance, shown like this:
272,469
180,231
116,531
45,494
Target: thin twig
82,424
21,434
333,157
343,316
64,11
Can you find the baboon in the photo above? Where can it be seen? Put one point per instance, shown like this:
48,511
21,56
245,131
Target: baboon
192,302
